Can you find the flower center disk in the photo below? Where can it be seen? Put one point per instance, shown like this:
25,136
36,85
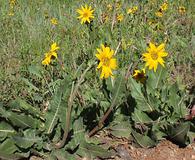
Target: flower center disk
154,55
106,61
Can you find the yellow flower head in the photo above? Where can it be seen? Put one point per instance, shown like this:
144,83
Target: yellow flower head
106,61
118,5
46,61
140,75
109,7
164,6
51,54
86,14
120,17
159,13
54,47
132,10
12,3
182,10
54,21
154,56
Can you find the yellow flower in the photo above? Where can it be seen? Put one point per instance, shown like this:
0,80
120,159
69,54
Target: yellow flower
164,6
159,13
132,10
51,54
86,14
182,10
11,13
54,21
118,5
46,61
54,47
154,56
109,7
140,75
12,3
106,61
120,17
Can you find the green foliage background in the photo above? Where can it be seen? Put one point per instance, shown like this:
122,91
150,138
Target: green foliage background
35,101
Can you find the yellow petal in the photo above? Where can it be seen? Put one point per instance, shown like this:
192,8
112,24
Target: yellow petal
161,47
113,64
152,46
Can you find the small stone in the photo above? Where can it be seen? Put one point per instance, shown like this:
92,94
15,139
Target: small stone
193,156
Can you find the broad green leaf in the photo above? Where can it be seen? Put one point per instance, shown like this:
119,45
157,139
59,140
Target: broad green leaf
5,130
90,150
27,140
143,140
24,106
35,70
23,121
140,117
8,147
58,106
142,102
28,83
52,115
118,90
62,155
179,133
121,129
155,79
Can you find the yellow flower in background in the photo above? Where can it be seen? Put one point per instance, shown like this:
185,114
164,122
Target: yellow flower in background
54,47
54,21
106,61
154,56
86,14
109,7
159,13
182,10
120,17
12,3
118,5
46,61
140,75
51,54
132,10
11,13
164,6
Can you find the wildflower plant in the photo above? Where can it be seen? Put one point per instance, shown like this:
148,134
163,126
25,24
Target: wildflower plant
116,79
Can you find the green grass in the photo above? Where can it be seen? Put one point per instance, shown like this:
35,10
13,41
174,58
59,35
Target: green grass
27,35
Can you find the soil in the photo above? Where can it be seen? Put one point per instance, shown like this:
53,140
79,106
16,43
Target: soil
165,150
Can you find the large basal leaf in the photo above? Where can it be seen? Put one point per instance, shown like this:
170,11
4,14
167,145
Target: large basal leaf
20,120
136,92
24,106
121,129
5,130
179,133
155,79
28,139
143,140
29,84
7,147
58,106
61,155
85,148
177,102
117,89
35,70
89,150
52,115
140,117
